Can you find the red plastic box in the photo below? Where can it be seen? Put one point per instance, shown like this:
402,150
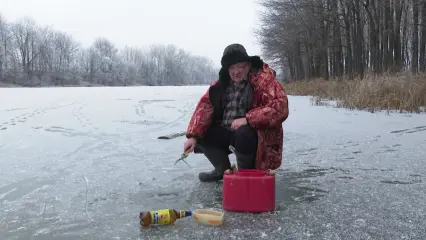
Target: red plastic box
248,191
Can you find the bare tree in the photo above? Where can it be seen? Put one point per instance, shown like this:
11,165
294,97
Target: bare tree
343,38
32,55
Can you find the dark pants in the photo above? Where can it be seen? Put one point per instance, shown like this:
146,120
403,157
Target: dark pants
218,138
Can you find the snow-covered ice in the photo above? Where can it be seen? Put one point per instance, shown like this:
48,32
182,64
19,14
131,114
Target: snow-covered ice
80,163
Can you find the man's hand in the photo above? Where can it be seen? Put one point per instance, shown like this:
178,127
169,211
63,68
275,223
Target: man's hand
189,145
238,123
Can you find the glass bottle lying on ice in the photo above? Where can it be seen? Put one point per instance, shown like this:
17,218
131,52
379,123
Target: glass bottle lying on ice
162,217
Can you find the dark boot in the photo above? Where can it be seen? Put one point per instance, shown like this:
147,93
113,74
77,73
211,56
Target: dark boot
244,146
220,161
245,160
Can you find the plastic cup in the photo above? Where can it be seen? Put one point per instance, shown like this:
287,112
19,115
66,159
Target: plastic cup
208,217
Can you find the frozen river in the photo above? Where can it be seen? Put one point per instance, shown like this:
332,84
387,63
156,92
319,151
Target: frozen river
81,163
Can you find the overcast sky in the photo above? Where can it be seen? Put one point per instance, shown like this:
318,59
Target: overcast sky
203,27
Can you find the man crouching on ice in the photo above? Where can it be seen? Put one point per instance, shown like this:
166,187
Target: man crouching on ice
245,109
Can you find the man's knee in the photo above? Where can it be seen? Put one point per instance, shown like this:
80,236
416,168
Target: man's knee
245,140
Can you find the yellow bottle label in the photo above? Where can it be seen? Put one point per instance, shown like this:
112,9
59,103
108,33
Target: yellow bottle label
160,216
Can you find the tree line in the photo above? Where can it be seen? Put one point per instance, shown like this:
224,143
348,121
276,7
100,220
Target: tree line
344,38
32,55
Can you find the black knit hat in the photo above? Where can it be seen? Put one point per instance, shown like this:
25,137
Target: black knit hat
232,54
236,53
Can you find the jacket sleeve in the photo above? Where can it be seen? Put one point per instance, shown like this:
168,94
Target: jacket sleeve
201,118
274,109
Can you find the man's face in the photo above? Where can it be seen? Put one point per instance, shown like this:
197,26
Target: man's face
238,71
